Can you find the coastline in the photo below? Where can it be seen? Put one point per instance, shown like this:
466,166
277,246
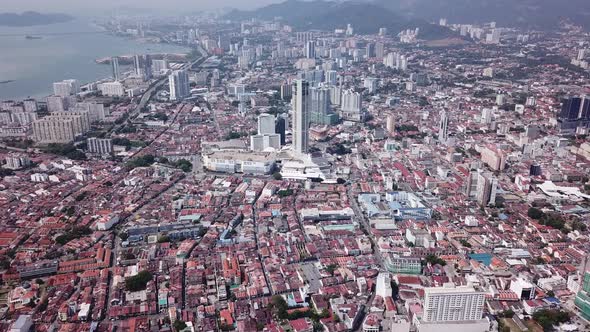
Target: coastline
128,58
99,47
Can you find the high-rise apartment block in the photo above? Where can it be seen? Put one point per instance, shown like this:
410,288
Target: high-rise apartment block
179,85
66,88
100,145
60,127
453,304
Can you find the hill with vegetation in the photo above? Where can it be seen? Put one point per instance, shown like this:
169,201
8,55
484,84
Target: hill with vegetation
366,18
536,14
31,19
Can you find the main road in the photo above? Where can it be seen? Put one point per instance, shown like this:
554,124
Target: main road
142,103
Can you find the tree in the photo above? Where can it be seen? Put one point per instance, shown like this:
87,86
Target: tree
285,193
4,263
138,282
548,318
279,306
331,268
465,243
535,213
433,259
277,176
185,165
318,327
142,161
179,325
235,135
74,233
6,172
81,197
163,239
66,150
338,149
506,314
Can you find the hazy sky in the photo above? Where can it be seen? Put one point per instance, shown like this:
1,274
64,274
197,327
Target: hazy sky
80,6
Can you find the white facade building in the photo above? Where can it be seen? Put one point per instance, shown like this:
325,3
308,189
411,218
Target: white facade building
66,88
450,303
100,145
112,89
263,142
266,124
383,287
524,289
352,106
239,162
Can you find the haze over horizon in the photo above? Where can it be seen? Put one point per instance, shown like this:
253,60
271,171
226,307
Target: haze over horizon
77,7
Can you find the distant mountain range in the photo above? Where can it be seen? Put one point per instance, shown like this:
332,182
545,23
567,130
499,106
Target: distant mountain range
32,18
367,16
326,15
539,14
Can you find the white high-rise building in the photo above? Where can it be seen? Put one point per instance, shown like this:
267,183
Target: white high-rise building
487,188
301,104
487,115
335,95
320,100
115,68
380,50
30,105
390,124
371,84
56,103
349,30
260,143
389,60
66,88
494,37
351,101
160,67
60,127
403,63
179,85
352,106
266,124
443,127
383,287
137,68
100,145
96,112
115,89
331,77
453,304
